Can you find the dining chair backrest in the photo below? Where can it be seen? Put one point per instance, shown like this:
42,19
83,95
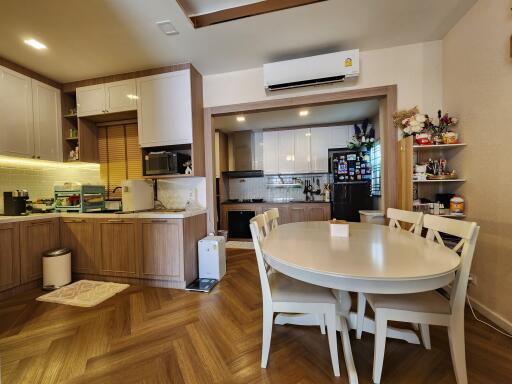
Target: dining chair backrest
271,218
467,232
396,216
258,231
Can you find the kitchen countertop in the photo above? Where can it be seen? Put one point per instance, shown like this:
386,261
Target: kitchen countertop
138,215
277,202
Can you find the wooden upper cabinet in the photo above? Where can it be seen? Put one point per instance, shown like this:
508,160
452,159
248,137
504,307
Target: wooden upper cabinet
117,96
162,246
36,237
9,256
164,109
117,247
78,235
16,117
47,122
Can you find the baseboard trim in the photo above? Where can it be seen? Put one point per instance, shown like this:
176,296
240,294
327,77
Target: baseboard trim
497,319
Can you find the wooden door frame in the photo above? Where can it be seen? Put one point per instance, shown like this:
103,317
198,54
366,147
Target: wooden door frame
387,96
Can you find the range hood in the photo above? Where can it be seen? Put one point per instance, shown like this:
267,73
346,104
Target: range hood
244,152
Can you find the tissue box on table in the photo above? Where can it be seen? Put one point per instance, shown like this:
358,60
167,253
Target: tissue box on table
339,228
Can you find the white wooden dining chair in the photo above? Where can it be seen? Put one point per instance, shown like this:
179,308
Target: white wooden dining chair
395,216
431,307
271,218
285,294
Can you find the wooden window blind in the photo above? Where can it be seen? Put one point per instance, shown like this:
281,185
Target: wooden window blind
120,156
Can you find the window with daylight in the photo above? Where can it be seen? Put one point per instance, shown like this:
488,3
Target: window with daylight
375,159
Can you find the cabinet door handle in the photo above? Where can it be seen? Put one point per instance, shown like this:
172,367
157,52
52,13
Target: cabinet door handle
38,157
159,221
75,221
115,220
33,156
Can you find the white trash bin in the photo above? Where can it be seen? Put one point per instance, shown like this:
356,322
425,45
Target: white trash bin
56,268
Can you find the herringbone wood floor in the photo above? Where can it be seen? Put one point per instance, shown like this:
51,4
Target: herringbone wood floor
154,335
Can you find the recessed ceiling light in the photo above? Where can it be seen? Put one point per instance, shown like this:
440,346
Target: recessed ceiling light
167,27
240,118
304,113
35,44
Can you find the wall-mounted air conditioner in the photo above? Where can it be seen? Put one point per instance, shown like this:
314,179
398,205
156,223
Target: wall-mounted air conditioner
313,70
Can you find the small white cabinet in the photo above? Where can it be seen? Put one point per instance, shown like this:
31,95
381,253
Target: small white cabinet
16,117
47,122
165,109
340,136
301,150
270,152
30,117
117,96
286,151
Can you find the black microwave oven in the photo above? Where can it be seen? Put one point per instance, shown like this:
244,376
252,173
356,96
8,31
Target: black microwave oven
165,163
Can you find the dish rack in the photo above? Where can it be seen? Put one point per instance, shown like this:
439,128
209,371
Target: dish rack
76,197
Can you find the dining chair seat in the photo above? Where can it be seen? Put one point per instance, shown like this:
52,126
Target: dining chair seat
287,289
430,302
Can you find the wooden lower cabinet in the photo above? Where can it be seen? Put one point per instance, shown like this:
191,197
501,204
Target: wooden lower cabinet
288,212
9,256
78,235
161,249
117,247
36,237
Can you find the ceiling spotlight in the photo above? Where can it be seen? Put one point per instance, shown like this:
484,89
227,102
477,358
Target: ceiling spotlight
304,113
167,27
35,44
240,119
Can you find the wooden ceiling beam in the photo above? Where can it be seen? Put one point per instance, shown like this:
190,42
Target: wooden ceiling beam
243,11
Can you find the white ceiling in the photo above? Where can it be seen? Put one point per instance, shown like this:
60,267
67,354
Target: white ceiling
99,37
321,114
199,7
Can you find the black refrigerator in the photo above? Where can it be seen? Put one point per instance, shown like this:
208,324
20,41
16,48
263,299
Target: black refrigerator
350,173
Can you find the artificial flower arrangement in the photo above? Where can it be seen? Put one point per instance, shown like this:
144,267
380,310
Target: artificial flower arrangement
441,132
410,121
363,138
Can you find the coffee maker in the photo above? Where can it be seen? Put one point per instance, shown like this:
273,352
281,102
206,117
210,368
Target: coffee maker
15,202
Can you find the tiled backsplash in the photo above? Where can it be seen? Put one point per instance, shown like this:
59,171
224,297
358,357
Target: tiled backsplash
175,193
258,187
38,178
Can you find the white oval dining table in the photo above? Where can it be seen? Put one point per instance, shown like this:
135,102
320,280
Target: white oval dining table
372,259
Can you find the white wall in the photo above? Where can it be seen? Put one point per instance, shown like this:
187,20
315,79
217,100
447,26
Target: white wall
416,69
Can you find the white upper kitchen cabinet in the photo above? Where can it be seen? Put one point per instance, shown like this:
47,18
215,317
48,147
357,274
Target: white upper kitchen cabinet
320,142
270,152
301,150
47,122
286,151
339,136
90,100
16,117
121,96
165,109
117,96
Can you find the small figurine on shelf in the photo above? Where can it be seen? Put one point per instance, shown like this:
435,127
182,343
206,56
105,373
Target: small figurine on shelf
188,167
